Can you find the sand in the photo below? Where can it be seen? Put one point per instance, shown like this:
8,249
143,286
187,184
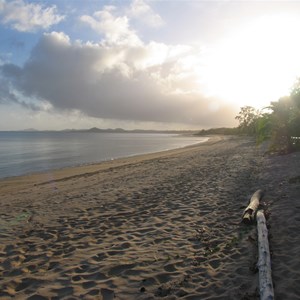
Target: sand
165,225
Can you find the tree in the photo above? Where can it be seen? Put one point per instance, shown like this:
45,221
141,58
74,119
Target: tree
294,119
247,118
263,127
285,120
295,93
281,122
280,119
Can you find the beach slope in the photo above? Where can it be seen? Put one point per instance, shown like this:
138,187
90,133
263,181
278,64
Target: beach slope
160,225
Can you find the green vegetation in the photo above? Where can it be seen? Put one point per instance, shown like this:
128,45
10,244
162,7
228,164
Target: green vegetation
279,122
248,118
222,131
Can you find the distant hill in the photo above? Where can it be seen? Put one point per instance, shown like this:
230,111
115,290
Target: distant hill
30,129
95,129
222,131
121,130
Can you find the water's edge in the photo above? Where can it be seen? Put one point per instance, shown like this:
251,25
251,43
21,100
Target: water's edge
36,152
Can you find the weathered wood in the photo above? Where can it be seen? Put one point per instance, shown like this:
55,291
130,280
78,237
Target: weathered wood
250,211
264,260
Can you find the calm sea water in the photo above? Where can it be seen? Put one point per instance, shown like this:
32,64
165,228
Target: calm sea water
29,152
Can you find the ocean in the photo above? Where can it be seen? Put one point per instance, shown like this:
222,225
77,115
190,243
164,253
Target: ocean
30,152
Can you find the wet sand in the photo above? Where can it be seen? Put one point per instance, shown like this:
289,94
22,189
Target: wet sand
164,225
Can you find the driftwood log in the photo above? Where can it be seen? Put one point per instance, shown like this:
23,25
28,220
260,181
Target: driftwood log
250,211
264,260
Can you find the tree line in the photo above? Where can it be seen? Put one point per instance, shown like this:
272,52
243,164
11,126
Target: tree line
279,122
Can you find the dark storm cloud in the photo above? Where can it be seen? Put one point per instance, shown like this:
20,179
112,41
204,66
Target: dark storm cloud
107,82
7,97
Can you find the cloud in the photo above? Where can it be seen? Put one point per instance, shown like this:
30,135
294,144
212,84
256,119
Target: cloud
5,95
115,28
144,13
8,96
136,83
28,17
119,78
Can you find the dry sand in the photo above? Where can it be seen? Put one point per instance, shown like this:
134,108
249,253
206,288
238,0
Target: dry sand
165,225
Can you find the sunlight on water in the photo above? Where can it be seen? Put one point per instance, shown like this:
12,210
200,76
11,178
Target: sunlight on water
27,152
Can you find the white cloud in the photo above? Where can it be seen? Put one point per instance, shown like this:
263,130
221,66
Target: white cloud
28,17
135,83
118,78
115,29
144,13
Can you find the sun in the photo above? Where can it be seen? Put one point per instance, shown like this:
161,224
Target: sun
255,65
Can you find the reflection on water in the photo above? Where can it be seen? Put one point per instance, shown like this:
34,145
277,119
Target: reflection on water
26,152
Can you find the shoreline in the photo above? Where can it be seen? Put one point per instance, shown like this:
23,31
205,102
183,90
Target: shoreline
104,159
164,225
90,168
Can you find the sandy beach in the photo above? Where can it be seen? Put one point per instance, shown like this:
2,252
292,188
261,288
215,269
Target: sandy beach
164,225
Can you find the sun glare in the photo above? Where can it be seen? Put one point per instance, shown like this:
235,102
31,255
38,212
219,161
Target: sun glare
257,64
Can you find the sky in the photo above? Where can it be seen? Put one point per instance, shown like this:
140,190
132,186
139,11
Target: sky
161,64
